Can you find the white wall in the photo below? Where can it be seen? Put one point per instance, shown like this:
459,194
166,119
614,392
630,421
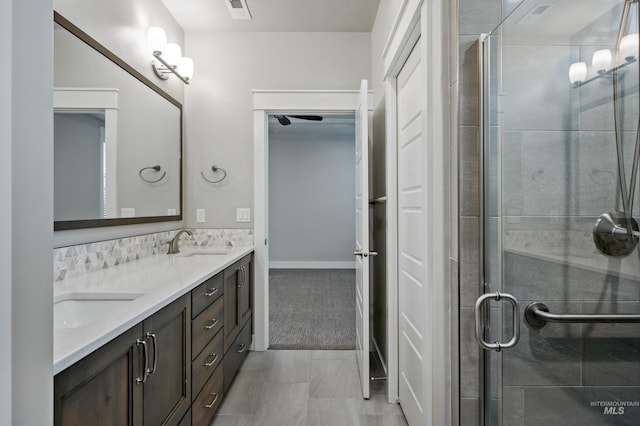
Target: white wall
27,214
121,26
6,75
219,118
311,196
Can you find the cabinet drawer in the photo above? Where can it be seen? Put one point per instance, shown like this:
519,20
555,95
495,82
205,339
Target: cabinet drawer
206,293
236,354
205,363
205,326
206,404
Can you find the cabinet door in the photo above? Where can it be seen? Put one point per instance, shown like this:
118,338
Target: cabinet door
244,290
102,388
231,319
167,391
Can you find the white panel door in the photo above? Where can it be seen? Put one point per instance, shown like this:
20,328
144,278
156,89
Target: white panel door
412,241
362,239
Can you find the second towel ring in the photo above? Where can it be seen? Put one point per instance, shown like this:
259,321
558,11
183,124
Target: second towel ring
215,169
156,168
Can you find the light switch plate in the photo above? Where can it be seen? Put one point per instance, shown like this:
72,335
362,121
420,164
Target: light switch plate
200,215
243,215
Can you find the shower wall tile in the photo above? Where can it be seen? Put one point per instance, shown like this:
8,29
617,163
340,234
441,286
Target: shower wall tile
469,99
530,278
512,174
469,261
469,161
456,185
611,351
536,93
469,356
580,406
479,16
549,160
470,412
544,356
513,406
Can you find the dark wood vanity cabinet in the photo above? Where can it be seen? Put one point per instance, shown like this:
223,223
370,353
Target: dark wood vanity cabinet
102,389
140,378
237,299
171,369
167,390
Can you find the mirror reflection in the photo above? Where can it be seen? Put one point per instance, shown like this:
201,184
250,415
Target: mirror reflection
117,141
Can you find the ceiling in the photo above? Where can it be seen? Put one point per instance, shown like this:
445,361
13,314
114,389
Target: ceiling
277,15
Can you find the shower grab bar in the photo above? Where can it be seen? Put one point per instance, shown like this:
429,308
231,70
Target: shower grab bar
537,314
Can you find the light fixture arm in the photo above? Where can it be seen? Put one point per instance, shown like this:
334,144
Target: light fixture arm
161,72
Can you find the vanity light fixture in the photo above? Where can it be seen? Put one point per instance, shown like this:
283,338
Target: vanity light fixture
577,72
601,61
168,57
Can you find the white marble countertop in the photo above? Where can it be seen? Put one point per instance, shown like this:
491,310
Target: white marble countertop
160,280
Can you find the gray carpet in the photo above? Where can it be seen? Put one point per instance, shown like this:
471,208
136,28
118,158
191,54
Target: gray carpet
312,309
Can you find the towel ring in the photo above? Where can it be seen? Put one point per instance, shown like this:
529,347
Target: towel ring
215,169
156,168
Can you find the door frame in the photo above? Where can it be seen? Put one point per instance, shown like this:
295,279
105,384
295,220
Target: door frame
265,103
429,22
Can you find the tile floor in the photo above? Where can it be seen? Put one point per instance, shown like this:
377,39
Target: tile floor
306,388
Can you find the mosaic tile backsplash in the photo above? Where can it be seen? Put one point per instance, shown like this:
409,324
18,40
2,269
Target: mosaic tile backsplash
77,260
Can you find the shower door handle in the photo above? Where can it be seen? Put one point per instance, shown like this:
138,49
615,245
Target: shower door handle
480,325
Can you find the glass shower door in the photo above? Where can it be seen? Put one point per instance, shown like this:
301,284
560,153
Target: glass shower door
560,150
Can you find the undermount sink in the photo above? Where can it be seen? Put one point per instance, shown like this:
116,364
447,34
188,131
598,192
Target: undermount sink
72,310
213,252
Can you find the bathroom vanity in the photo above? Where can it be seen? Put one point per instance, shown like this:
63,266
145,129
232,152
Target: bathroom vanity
168,354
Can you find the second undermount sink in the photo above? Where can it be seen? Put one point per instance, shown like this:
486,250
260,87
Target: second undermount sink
211,252
72,310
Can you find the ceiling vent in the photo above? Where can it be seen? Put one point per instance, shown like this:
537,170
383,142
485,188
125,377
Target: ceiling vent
238,9
535,14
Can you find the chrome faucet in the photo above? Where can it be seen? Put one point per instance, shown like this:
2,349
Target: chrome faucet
173,244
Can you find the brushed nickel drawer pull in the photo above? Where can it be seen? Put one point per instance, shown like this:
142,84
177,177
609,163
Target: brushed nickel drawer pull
211,292
213,361
215,398
243,348
140,380
152,336
214,322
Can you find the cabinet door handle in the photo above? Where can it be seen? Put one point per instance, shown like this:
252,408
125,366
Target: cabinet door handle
215,398
213,360
211,292
214,322
242,277
242,347
140,380
152,336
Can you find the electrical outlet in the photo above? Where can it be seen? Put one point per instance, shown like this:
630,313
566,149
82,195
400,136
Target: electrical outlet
243,215
128,212
172,212
200,215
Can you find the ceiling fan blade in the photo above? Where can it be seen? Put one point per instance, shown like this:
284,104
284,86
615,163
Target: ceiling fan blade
308,117
283,120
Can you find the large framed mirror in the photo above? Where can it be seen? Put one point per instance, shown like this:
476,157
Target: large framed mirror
117,138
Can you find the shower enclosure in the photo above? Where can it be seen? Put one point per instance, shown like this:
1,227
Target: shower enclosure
560,313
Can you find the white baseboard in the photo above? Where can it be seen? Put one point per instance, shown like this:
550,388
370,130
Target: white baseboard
311,265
